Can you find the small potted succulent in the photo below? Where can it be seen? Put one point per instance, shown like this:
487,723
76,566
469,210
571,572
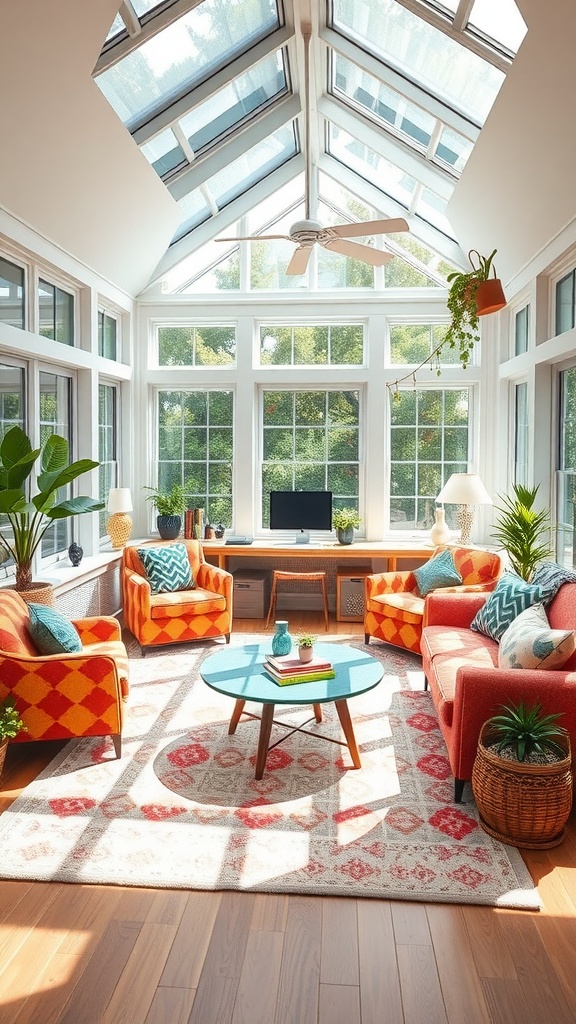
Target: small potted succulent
170,507
522,777
306,643
10,725
345,521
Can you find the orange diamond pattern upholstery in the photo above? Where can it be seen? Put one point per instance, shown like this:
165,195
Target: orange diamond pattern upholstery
394,610
61,696
172,618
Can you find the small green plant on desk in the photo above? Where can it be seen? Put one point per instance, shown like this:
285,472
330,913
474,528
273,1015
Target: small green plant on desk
306,640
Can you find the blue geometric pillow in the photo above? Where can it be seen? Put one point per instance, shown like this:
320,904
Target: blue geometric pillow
440,571
510,597
551,576
51,632
167,568
529,642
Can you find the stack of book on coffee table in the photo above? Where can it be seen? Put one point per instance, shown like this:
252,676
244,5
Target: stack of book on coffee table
287,670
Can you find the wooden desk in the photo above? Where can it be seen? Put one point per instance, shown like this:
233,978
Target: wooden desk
392,551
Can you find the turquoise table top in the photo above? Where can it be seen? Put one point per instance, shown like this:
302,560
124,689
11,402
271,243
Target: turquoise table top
239,672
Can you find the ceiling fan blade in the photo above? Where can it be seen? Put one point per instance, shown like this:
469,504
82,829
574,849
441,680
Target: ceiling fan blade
253,238
370,227
367,253
299,261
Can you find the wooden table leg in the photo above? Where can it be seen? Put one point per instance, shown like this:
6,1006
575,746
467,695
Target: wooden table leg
346,723
238,709
317,712
263,739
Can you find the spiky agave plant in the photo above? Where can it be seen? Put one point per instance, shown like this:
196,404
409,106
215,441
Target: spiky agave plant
522,530
527,730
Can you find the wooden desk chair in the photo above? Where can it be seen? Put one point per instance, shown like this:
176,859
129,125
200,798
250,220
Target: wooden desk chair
307,577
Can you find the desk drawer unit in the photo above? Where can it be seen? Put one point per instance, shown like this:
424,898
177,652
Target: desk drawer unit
251,593
350,592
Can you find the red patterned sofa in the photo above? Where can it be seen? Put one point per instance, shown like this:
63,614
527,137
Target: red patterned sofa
62,696
182,615
394,607
467,687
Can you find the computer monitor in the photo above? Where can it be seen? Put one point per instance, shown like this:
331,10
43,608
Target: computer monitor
301,511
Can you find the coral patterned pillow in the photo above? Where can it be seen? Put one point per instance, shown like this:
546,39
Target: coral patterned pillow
529,642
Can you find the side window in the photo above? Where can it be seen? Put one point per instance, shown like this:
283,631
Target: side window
521,331
107,335
565,299
12,294
521,434
107,449
56,313
55,405
566,476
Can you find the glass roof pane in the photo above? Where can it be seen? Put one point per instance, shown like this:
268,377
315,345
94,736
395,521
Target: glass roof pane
254,165
143,6
422,53
453,149
433,209
164,153
194,210
235,102
116,27
374,168
501,22
182,54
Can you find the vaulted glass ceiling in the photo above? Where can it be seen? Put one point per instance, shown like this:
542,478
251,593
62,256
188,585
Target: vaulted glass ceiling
213,92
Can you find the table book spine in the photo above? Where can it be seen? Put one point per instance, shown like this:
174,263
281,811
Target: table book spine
292,666
300,677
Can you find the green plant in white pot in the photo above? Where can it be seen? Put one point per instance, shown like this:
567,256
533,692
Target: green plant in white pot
345,521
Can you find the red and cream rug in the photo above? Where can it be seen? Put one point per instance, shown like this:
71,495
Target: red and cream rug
182,808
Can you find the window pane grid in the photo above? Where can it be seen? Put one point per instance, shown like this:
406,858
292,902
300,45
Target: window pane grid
55,395
12,294
312,345
197,345
107,449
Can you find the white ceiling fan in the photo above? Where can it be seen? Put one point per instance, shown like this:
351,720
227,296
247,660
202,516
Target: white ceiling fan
306,233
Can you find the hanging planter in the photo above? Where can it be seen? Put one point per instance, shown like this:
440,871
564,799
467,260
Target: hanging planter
471,295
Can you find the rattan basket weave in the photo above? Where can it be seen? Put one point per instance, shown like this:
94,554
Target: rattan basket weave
524,805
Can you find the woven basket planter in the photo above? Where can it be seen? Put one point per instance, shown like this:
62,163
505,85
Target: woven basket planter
521,804
39,593
3,749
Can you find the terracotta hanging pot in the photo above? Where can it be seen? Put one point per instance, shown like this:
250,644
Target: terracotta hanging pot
490,296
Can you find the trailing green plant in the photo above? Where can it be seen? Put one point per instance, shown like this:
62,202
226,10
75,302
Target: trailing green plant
463,331
30,516
344,518
10,722
168,503
527,731
306,640
521,529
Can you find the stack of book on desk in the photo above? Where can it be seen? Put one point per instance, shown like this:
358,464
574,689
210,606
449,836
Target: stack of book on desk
285,671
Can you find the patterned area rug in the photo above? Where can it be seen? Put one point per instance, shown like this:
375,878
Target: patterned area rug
182,808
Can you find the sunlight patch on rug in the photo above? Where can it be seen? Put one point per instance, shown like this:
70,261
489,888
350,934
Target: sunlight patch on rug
182,809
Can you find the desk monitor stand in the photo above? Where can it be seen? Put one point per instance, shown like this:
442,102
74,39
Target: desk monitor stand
302,537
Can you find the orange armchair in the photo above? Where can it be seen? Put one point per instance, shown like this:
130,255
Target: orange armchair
62,696
179,616
394,607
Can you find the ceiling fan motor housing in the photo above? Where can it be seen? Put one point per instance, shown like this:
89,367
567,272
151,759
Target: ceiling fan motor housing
305,231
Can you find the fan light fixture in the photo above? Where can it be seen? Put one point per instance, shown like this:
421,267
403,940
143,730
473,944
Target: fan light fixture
465,490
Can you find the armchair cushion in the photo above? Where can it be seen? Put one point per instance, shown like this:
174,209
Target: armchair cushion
439,571
511,596
51,632
167,568
530,643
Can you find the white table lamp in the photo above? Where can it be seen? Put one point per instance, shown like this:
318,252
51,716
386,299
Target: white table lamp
465,490
119,525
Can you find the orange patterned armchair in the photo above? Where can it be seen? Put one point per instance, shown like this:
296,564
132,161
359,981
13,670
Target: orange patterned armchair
394,607
179,616
62,696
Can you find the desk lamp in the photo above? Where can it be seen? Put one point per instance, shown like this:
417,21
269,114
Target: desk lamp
119,525
465,490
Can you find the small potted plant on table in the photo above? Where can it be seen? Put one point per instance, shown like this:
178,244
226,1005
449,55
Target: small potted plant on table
10,725
522,777
345,521
170,507
306,646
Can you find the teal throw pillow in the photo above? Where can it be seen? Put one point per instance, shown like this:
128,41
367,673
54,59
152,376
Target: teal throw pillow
51,632
511,596
167,568
440,571
551,576
529,642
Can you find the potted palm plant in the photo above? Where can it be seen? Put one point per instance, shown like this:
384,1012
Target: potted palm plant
170,507
522,530
345,521
28,515
471,294
522,777
10,725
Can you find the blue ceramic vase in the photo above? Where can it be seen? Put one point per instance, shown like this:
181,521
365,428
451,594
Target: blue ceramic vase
281,641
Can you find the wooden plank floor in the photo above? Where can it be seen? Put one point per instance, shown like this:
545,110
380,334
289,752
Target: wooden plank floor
74,954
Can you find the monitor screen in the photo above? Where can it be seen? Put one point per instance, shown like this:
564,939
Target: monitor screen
301,510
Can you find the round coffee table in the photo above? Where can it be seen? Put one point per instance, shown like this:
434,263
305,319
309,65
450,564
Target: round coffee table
239,672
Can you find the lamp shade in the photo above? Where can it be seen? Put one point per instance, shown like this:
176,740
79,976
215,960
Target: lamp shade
464,489
119,500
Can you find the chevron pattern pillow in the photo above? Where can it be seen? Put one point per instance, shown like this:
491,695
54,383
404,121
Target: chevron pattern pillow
511,596
529,642
167,568
439,571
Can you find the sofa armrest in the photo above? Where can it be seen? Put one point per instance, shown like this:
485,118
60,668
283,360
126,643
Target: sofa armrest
452,609
98,628
389,583
219,581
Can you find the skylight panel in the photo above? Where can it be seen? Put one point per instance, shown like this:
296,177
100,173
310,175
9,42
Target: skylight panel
194,210
170,63
501,22
143,7
164,153
389,178
422,53
116,27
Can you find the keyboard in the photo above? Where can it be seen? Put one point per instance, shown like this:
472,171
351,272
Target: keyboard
238,540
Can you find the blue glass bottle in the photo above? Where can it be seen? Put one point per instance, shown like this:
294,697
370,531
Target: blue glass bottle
281,641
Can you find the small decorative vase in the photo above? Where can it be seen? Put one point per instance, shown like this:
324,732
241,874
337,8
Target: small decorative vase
75,553
305,653
439,534
345,534
219,531
281,641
